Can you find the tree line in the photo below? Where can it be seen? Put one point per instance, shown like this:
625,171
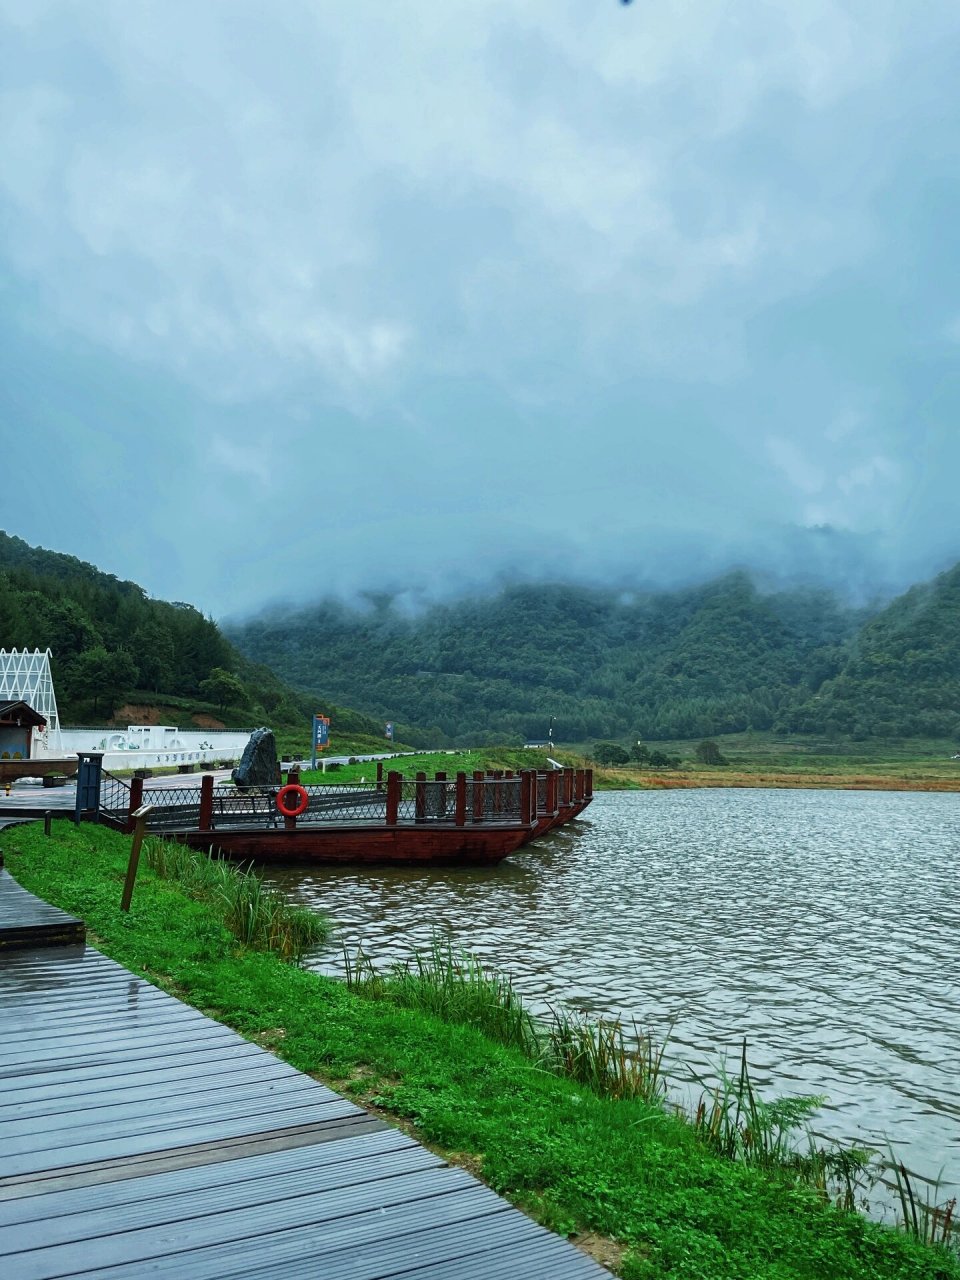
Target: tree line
111,643
700,662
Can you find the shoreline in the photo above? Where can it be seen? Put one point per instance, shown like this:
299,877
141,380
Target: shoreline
623,1174
608,780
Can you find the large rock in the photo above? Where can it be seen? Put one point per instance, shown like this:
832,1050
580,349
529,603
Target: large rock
258,765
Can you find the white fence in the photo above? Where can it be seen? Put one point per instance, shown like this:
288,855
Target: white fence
145,746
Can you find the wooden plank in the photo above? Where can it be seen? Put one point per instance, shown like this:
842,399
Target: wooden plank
22,1158
247,1167
207,1080
69,1084
140,1137
363,1246
315,1218
28,921
190,1156
119,1116
181,1205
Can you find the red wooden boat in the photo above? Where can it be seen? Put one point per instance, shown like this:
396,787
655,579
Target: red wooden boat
472,820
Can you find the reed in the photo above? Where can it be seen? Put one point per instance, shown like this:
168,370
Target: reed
259,917
450,986
596,1054
730,1118
458,988
933,1223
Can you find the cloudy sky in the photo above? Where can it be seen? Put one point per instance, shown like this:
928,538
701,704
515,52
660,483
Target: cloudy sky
319,296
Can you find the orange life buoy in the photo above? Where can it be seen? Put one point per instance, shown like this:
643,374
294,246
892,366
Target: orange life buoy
287,792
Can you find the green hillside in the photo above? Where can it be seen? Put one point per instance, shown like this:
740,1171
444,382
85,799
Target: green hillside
112,644
901,674
721,658
715,659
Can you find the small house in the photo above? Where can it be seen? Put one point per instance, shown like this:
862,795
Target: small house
18,720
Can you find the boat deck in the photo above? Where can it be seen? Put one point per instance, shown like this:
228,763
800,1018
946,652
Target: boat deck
140,1137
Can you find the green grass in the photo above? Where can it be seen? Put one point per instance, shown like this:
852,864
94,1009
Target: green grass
258,917
431,762
621,1169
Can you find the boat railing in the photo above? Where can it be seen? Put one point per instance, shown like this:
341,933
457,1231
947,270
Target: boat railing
460,801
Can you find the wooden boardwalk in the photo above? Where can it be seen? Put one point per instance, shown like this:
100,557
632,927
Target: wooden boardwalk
26,921
140,1138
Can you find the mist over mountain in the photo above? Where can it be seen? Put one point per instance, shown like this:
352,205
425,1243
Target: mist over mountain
591,662
598,661
421,297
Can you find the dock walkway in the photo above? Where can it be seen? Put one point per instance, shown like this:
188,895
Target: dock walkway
140,1138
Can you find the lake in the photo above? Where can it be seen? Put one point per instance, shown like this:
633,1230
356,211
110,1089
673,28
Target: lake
823,926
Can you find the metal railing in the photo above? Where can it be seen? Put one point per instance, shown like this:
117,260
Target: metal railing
480,799
114,800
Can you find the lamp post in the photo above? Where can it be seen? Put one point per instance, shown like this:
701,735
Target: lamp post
550,732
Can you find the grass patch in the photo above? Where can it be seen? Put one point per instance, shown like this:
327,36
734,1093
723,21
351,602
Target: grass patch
258,917
626,1171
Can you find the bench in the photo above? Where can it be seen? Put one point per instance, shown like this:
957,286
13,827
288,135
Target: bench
54,779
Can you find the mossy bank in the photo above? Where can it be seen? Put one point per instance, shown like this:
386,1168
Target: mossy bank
623,1174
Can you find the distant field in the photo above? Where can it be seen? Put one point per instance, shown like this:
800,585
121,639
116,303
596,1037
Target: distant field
756,760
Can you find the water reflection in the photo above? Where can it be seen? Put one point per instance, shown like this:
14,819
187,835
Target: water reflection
821,925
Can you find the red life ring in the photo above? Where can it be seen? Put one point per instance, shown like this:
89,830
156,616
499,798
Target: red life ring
290,790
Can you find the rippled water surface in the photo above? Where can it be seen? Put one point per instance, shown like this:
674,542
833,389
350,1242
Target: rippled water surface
822,925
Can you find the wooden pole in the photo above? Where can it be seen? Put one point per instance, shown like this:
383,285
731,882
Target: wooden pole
206,802
47,818
420,797
139,827
393,797
552,802
136,800
526,797
460,801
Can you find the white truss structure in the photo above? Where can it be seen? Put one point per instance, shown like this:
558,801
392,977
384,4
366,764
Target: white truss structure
27,676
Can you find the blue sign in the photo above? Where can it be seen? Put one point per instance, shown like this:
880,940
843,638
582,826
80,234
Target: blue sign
321,732
390,730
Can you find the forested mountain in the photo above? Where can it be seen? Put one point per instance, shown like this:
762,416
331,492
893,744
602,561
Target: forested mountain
708,660
112,643
901,675
599,663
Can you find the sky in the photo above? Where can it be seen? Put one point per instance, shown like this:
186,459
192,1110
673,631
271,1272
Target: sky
315,297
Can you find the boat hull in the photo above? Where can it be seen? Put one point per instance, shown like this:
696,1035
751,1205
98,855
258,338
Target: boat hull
404,846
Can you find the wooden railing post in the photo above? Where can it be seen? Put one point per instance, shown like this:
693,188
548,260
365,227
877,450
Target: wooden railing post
205,822
136,800
394,781
551,806
479,786
139,827
460,801
440,796
588,784
526,807
420,797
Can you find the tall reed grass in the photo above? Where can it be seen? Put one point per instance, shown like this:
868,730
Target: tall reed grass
458,988
730,1117
930,1222
259,917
